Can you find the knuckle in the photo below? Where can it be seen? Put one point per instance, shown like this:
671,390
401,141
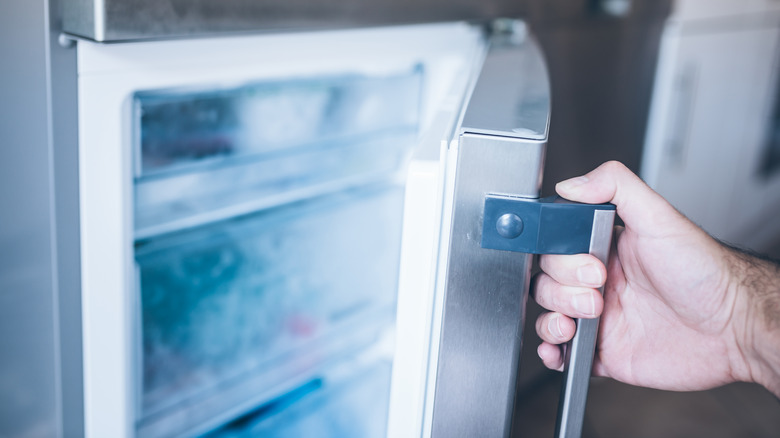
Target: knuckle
614,166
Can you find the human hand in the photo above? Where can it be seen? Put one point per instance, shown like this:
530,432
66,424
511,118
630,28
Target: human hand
675,311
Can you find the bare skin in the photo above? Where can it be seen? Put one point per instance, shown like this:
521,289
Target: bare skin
681,311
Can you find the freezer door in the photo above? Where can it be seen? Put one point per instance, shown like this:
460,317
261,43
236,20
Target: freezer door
460,315
501,145
459,339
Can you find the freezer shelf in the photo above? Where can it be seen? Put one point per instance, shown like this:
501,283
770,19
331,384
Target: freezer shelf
196,199
237,312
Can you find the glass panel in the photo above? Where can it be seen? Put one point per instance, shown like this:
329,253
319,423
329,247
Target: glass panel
248,308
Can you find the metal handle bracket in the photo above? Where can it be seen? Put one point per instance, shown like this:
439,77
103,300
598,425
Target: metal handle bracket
538,226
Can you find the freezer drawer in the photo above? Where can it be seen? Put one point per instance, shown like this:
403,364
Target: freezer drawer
214,152
236,313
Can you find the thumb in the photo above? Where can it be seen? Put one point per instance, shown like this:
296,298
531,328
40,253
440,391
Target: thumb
641,208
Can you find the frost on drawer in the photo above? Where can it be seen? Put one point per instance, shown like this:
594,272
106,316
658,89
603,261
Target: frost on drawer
204,155
228,314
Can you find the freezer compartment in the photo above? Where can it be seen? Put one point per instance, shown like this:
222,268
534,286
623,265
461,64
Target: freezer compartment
206,155
238,313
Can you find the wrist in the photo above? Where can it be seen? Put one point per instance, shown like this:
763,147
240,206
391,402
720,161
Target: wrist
755,285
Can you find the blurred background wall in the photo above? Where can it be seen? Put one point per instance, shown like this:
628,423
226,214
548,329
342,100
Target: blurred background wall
602,57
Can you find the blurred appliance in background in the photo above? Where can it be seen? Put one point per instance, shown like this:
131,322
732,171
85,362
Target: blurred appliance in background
713,139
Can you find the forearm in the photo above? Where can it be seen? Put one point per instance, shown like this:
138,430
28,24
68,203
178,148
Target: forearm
757,284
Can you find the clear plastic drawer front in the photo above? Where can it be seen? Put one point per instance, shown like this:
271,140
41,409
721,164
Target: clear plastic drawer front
234,312
206,155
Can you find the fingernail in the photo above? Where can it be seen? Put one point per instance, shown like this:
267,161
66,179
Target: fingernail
589,275
572,183
585,304
554,326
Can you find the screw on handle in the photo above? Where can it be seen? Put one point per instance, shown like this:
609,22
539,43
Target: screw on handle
556,226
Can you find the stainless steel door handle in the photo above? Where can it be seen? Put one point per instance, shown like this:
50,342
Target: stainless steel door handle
579,355
556,226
